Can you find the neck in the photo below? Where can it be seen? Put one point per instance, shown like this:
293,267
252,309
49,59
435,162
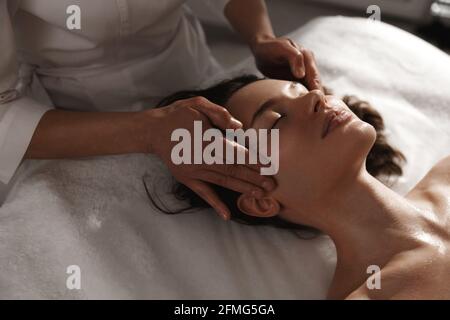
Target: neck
369,224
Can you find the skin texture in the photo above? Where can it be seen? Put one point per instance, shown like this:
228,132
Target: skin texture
323,183
66,134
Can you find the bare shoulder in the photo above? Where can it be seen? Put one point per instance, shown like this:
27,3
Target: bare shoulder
439,174
410,275
433,190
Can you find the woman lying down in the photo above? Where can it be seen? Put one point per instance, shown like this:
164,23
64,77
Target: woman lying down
327,181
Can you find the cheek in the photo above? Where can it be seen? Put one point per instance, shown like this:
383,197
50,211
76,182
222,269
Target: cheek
300,153
319,160
304,146
310,169
298,163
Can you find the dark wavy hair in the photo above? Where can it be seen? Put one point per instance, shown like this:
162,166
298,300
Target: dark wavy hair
382,160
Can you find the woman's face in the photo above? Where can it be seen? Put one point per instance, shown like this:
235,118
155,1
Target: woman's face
311,164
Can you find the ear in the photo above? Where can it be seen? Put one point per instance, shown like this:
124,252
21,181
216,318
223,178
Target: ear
264,208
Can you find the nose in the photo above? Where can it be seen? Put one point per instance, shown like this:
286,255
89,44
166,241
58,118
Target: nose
311,103
316,101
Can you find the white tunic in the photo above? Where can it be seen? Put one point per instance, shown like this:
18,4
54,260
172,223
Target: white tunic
126,56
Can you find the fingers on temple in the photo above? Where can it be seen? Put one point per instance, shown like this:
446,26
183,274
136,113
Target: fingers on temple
218,115
230,182
207,193
246,174
230,157
246,170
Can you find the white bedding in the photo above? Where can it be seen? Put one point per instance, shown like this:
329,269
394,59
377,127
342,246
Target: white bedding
94,213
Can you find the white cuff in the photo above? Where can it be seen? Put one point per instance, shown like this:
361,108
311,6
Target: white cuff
17,125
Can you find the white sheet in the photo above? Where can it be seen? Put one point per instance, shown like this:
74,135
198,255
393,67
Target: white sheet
94,212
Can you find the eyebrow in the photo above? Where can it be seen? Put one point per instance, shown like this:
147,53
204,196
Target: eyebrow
269,103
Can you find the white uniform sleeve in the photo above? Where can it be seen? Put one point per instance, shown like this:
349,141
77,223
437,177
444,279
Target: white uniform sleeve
218,5
211,11
19,115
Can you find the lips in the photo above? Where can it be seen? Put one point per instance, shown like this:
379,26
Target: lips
333,120
326,124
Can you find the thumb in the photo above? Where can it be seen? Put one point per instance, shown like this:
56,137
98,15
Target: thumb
298,67
296,59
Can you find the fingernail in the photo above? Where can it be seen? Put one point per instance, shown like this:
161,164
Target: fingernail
267,185
236,123
223,214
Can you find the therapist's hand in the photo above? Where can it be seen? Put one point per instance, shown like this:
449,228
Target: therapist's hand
182,114
281,58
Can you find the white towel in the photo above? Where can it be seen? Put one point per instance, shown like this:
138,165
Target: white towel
94,213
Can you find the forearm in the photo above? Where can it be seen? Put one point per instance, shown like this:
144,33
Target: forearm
250,19
67,134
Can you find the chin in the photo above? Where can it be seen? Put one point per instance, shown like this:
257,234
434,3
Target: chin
362,132
358,139
369,134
